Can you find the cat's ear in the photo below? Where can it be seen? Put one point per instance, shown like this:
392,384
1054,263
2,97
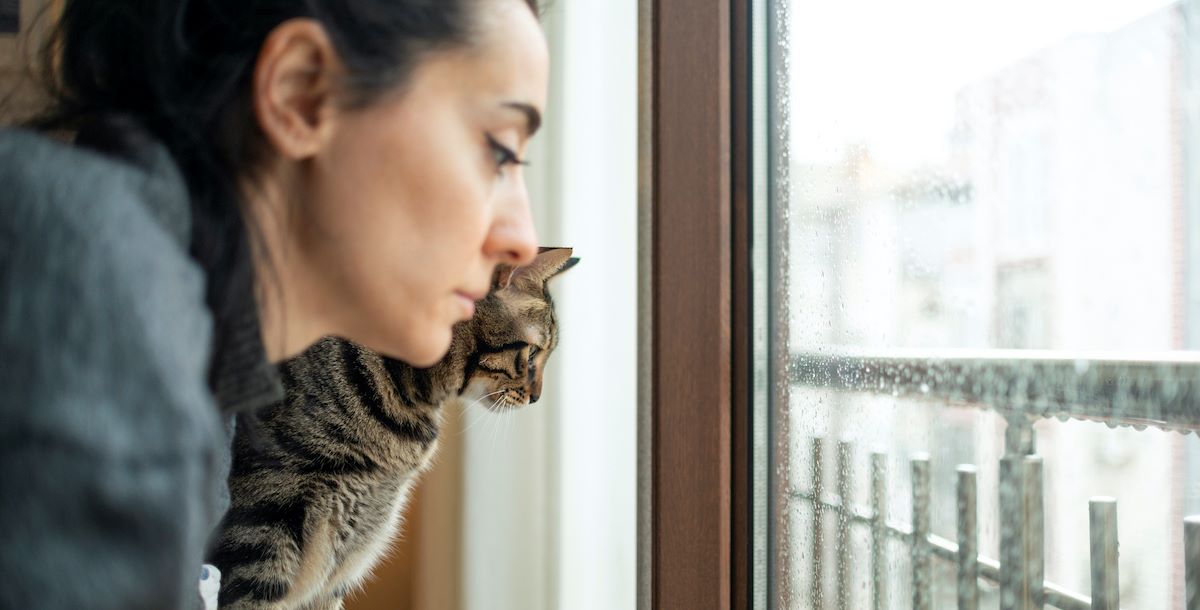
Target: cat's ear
502,276
571,262
548,263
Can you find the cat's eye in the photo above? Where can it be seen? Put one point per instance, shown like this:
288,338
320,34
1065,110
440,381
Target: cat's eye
533,352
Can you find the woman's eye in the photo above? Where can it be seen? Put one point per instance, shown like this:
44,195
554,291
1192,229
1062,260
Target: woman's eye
503,155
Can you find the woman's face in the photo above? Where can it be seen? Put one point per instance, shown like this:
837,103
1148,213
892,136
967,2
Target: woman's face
418,196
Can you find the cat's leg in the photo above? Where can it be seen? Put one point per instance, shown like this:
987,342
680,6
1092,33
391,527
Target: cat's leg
258,567
339,600
271,559
328,603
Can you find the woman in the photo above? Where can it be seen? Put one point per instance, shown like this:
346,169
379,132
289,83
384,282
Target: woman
245,178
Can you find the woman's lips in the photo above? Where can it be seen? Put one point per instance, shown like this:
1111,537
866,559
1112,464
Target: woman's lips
468,304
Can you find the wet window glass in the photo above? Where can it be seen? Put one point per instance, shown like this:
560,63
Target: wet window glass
985,272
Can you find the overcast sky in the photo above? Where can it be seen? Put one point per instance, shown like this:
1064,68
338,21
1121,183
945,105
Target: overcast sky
886,73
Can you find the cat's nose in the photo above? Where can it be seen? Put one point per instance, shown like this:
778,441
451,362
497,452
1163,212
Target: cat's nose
533,397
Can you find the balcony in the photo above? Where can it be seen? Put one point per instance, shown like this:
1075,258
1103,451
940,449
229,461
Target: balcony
1019,387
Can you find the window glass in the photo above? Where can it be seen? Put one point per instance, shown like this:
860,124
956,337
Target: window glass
1005,182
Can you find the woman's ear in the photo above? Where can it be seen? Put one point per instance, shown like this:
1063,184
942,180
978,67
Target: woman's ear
293,88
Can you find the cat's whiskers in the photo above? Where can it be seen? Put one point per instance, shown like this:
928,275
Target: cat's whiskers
512,424
482,413
475,420
502,433
484,397
496,426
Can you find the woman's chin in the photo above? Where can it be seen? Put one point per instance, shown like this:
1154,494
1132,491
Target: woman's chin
430,350
421,350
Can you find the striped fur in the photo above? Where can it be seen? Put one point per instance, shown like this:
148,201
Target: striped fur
319,480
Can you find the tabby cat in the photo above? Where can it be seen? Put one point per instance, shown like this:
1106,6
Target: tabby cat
319,480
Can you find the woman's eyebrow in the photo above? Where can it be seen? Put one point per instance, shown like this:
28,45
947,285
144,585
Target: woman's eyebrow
533,118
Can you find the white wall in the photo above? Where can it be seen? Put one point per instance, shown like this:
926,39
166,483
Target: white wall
550,498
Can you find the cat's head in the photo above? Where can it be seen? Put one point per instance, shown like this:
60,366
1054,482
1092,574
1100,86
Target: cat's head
515,332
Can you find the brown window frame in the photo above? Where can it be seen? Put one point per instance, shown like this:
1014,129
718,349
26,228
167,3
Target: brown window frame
696,385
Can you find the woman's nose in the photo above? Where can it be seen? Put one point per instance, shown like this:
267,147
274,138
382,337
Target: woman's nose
513,239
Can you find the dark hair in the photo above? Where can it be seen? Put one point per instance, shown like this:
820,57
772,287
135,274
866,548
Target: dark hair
182,70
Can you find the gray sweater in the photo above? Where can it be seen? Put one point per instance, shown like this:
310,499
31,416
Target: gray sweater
113,454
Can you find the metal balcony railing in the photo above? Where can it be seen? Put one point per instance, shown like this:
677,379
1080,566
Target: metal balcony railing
1159,390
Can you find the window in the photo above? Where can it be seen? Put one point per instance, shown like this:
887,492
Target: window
980,250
